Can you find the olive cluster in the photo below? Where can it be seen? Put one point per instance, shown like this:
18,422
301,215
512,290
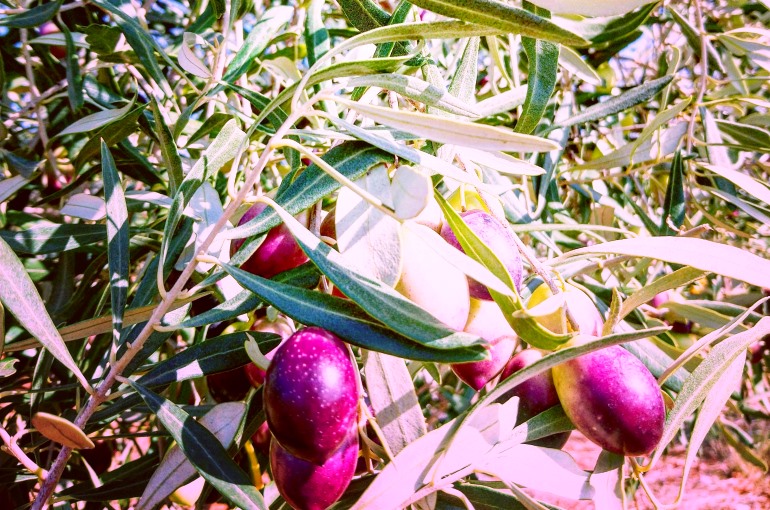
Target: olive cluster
312,391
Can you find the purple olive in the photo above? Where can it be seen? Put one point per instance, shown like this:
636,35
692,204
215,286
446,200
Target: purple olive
311,395
613,399
477,374
278,252
486,320
307,486
536,395
498,238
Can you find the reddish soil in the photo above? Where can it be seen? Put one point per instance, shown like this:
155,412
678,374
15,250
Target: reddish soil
719,480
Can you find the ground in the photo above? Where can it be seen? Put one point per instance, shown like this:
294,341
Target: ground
719,480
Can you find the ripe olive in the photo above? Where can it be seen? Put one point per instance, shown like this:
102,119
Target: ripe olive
311,394
308,486
613,399
536,395
278,252
498,238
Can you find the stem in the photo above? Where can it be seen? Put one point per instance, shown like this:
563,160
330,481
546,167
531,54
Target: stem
704,61
49,485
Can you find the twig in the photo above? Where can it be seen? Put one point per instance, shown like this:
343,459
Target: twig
704,61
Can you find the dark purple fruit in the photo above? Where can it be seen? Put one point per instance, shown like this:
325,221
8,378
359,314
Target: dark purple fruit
613,399
498,238
311,395
307,486
278,252
477,374
228,386
536,395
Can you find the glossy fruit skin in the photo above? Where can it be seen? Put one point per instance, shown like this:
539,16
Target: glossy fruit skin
613,399
307,486
431,282
487,321
536,395
278,252
311,395
498,238
590,321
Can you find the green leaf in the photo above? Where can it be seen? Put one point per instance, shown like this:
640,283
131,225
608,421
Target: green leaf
600,8
503,17
678,278
463,85
665,143
223,420
413,468
753,187
487,498
452,131
728,381
616,104
53,238
661,119
377,299
317,40
7,364
224,148
549,422
96,120
205,452
72,68
20,297
140,41
543,58
364,14
263,31
699,253
675,202
606,29
716,367
213,356
607,482
112,133
748,137
305,276
117,240
351,159
419,90
347,320
537,468
168,150
32,18
394,400
527,328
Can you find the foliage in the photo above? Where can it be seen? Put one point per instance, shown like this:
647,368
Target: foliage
628,153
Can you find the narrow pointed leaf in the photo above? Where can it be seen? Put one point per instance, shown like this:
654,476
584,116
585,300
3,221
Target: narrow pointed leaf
699,385
346,319
20,297
168,150
633,97
175,470
32,18
117,240
504,17
698,253
205,452
452,131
